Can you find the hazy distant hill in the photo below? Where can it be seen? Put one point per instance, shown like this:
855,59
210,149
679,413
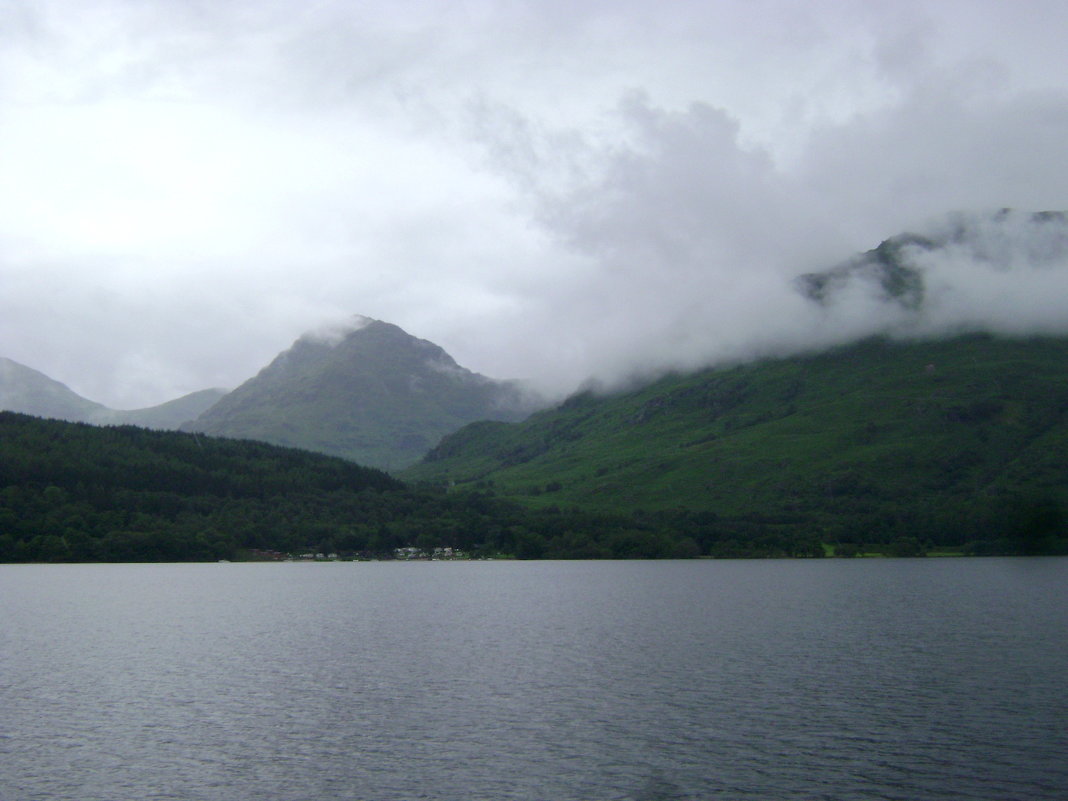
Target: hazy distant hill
169,415
373,394
25,390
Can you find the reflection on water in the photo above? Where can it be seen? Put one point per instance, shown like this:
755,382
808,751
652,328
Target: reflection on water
890,679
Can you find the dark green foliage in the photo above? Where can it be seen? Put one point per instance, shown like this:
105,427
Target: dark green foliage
879,443
75,492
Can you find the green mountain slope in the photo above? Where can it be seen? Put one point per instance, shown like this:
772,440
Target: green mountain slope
375,395
867,442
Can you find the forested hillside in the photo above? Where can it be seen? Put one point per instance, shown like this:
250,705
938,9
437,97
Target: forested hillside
934,443
75,492
880,446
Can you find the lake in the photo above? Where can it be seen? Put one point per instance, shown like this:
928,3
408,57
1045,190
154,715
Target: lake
819,679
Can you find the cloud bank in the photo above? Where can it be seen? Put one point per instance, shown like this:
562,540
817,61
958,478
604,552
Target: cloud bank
688,241
547,191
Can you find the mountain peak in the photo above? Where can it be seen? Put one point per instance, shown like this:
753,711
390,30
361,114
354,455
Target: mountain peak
367,391
334,334
899,271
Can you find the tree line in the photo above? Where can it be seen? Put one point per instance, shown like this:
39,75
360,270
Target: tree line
76,492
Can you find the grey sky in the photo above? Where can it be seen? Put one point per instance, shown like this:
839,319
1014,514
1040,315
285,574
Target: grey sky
548,190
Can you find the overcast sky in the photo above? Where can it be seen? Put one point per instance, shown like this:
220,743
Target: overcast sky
547,189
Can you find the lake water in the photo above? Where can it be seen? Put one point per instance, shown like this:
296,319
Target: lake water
824,679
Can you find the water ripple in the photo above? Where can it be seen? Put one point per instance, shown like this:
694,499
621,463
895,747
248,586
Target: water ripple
873,679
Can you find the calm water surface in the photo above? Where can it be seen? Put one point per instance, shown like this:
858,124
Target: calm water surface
836,679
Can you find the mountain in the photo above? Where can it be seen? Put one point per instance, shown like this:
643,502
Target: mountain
899,271
886,268
25,390
371,393
168,416
769,434
950,441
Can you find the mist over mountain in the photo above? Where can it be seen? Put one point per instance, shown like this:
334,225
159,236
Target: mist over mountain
965,271
370,392
1001,272
25,390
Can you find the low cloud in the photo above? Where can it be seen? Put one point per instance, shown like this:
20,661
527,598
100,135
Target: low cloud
548,191
687,241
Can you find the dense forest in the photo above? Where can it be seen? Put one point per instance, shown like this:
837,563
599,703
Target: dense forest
75,492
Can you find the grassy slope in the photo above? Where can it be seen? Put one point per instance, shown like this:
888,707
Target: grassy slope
868,427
